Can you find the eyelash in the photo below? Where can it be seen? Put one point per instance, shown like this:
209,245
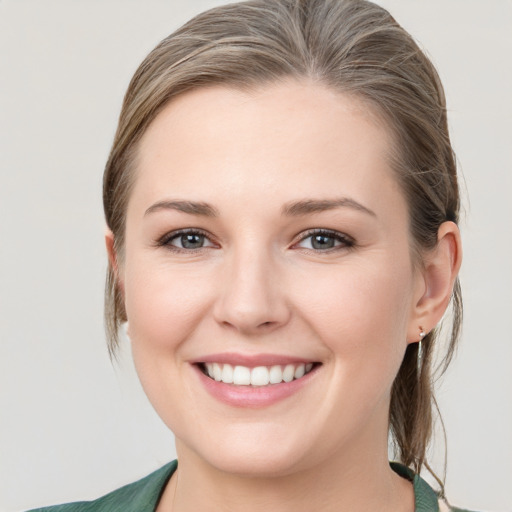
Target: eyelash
345,242
166,240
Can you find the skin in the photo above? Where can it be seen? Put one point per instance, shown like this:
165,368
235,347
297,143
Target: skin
259,286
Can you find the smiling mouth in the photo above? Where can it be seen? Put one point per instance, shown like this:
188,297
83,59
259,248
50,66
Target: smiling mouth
257,376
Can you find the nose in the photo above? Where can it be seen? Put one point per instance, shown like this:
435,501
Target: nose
251,298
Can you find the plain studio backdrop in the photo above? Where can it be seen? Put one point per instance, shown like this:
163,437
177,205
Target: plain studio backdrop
72,426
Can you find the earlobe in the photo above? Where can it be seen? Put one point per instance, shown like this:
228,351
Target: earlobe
441,267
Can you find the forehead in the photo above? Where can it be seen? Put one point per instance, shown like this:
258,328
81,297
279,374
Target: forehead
294,137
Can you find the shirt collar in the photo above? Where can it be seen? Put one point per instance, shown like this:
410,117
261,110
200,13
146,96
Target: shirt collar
426,499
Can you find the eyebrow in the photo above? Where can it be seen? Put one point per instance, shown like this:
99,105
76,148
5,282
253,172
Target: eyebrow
295,208
306,206
191,207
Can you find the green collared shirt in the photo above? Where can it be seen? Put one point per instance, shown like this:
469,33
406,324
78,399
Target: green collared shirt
143,495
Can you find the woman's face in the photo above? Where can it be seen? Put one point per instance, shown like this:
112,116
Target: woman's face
267,238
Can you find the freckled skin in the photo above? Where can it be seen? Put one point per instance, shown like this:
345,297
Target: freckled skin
257,287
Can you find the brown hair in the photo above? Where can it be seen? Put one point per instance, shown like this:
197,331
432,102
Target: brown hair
352,46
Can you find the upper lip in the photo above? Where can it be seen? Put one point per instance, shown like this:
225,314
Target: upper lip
251,360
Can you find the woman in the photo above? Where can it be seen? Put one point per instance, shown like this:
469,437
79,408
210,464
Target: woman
282,205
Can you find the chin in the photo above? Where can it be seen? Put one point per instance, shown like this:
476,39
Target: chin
256,465
252,452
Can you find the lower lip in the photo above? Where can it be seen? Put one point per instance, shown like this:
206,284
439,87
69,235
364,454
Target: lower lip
253,396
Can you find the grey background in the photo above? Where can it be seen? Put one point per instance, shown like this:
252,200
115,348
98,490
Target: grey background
74,427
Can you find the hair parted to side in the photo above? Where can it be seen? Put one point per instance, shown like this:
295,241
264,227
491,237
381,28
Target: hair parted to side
354,47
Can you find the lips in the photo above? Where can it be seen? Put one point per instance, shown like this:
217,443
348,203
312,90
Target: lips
254,380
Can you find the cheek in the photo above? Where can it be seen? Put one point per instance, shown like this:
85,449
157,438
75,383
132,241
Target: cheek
163,305
361,312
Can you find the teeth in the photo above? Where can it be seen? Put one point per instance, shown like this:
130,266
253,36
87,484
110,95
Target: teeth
241,376
217,372
300,371
275,375
227,374
258,376
288,372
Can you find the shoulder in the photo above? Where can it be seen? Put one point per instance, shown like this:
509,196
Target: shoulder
139,496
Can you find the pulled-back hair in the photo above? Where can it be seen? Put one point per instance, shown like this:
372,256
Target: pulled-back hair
354,47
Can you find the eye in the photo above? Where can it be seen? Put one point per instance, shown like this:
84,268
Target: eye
324,240
186,240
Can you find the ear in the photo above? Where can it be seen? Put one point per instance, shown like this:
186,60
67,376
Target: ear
113,257
436,280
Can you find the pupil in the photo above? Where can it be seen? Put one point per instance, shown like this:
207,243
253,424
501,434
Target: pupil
322,242
192,241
